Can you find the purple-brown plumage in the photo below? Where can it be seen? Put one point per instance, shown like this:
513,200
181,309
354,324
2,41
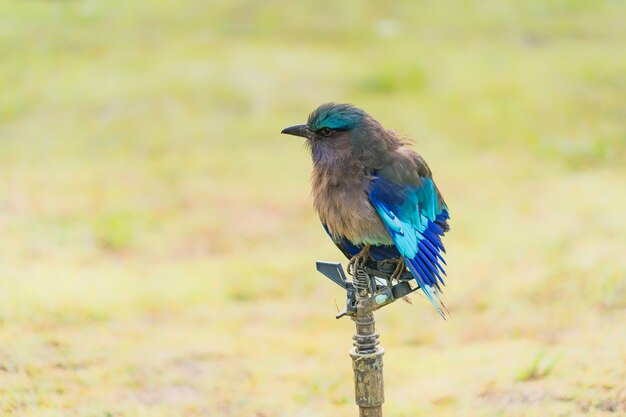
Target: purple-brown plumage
374,195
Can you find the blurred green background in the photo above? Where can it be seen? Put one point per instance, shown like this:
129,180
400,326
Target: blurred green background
157,238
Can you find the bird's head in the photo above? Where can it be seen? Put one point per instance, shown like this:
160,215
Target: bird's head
328,120
334,130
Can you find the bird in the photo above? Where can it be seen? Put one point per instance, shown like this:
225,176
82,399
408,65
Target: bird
375,196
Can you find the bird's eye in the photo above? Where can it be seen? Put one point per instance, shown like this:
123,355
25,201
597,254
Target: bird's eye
326,131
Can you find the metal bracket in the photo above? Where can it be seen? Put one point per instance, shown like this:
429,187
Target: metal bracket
382,290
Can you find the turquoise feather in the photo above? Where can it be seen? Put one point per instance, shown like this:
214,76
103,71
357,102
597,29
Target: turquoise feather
412,215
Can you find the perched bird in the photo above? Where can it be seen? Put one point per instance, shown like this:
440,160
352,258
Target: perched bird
375,196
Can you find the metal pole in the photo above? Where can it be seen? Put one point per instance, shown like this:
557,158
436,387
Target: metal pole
367,292
367,355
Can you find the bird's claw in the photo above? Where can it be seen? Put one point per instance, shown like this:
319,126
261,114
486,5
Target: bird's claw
400,268
358,260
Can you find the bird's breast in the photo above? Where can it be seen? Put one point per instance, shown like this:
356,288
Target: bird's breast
344,207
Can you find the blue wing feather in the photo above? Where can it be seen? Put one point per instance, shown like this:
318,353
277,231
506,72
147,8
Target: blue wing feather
415,217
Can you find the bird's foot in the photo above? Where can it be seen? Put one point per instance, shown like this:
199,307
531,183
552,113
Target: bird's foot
397,273
400,268
359,259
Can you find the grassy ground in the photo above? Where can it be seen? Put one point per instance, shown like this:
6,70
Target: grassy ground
157,238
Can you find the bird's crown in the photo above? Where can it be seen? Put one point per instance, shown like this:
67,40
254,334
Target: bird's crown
335,116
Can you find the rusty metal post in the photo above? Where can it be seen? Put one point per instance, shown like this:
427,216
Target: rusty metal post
367,355
372,287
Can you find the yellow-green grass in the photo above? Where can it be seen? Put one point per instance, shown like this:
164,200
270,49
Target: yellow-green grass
157,240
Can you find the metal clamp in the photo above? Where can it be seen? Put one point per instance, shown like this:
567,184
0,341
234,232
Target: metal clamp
381,290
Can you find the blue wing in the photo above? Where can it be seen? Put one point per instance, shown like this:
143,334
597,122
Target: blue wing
415,216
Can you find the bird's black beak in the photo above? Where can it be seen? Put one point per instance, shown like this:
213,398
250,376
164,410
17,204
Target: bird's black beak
298,130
